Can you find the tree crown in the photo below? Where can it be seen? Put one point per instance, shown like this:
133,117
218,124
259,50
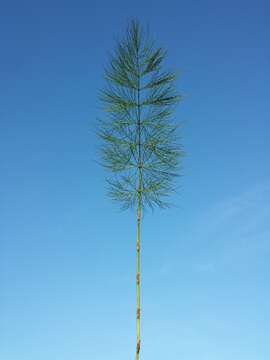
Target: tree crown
140,144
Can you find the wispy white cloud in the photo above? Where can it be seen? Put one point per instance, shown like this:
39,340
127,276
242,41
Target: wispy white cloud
236,228
205,267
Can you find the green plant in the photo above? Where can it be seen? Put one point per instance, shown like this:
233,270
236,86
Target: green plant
139,139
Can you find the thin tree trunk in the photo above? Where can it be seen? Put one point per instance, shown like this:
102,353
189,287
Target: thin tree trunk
138,310
138,241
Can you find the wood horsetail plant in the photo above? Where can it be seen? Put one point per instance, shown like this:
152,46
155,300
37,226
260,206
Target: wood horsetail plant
139,139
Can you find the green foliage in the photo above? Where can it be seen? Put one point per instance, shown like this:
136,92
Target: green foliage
139,139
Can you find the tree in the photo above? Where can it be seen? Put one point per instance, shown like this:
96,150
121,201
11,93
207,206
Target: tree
139,139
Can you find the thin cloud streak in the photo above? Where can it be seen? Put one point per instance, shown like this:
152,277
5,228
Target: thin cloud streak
234,230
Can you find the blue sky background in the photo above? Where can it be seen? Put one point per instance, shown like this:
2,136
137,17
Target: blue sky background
67,254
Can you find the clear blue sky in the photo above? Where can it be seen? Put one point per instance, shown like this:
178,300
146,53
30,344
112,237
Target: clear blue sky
67,254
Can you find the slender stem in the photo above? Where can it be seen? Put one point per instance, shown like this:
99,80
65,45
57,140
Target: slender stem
138,275
138,240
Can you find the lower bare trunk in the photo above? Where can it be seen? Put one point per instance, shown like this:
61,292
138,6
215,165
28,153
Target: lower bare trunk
138,310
